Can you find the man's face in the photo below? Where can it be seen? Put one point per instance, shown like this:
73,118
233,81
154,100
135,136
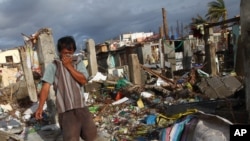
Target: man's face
65,53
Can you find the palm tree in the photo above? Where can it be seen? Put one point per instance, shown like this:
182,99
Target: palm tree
196,27
199,20
216,11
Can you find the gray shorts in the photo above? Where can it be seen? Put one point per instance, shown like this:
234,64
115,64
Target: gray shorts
77,123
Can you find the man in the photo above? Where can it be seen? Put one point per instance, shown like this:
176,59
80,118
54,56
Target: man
68,75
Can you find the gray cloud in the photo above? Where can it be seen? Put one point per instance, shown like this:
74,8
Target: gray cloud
96,19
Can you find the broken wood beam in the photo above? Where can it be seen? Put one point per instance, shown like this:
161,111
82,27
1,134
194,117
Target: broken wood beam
157,74
159,88
235,19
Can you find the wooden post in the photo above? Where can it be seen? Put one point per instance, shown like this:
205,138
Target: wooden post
245,38
239,66
165,24
211,66
213,59
162,51
92,65
187,55
207,50
210,51
165,29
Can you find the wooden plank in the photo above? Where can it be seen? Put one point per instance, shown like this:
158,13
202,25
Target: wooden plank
236,19
157,74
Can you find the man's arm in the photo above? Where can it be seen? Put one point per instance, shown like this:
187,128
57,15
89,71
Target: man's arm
42,98
78,76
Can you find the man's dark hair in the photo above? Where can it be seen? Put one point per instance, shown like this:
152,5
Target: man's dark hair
66,42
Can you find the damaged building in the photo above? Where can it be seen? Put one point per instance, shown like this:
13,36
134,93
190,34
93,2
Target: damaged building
138,90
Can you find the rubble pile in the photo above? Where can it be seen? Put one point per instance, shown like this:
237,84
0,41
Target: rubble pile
123,111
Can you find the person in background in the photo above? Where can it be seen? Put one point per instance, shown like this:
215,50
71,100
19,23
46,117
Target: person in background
68,75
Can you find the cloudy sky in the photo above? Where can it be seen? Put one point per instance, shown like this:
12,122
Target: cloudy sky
97,19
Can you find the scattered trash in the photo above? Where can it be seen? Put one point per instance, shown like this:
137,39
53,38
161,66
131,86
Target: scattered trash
162,109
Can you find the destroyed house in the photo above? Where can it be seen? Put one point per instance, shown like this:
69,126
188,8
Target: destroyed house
10,57
108,59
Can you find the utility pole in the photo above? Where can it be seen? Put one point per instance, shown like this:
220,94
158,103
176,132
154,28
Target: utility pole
163,30
162,52
165,27
165,24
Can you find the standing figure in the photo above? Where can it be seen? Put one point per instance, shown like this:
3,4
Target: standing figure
68,75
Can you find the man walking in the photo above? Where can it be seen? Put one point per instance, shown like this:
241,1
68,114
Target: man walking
68,75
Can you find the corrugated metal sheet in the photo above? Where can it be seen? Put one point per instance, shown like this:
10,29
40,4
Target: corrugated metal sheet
232,83
220,87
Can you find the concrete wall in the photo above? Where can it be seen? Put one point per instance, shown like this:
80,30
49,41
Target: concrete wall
147,50
8,76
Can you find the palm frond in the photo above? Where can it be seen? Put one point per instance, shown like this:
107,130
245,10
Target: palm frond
216,11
